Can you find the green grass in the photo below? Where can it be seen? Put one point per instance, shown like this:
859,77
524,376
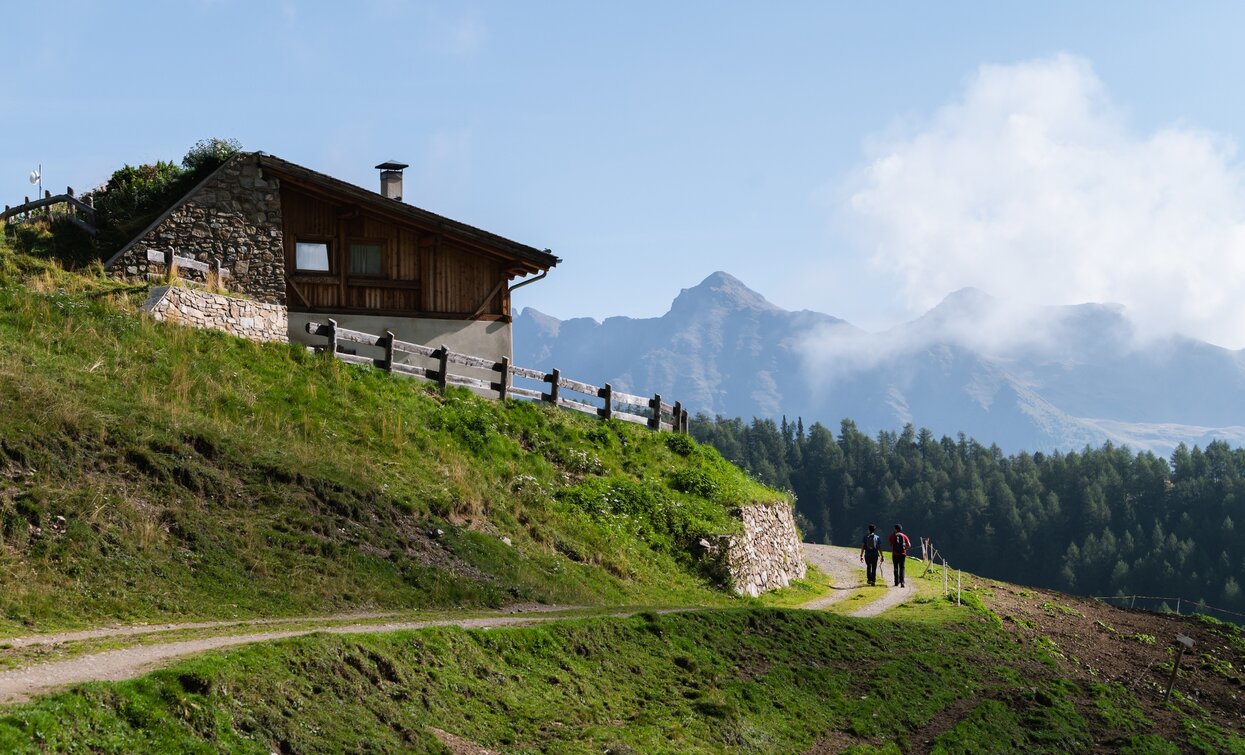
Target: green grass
759,680
815,584
152,472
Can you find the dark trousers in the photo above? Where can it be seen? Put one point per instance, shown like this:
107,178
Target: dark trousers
898,562
871,566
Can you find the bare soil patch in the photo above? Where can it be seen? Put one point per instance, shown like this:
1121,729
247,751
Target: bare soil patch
457,745
1095,642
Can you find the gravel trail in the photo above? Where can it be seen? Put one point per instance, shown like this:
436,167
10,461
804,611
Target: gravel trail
841,564
847,575
23,683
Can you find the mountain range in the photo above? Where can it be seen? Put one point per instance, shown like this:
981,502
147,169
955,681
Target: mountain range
1035,379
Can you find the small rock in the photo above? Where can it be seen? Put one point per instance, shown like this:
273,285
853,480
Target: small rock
506,541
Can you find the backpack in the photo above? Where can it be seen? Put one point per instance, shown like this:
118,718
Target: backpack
902,543
872,541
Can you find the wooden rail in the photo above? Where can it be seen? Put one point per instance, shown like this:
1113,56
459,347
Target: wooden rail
659,414
75,204
169,259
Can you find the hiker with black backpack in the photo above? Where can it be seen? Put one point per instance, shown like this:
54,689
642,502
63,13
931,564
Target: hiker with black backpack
871,553
899,552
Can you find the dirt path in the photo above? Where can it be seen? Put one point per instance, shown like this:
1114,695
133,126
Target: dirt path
23,683
847,575
18,684
135,630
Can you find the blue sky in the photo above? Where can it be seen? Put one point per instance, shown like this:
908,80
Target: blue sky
824,153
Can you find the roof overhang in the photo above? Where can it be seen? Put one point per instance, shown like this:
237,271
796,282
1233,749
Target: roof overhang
520,258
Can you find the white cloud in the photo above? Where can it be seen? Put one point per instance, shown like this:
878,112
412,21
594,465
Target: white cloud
458,36
1032,186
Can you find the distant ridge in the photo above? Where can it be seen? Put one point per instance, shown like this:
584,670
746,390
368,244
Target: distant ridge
1039,378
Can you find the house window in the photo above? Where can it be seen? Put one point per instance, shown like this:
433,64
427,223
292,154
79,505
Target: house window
311,256
365,259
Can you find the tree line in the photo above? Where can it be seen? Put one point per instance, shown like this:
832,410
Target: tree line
1100,521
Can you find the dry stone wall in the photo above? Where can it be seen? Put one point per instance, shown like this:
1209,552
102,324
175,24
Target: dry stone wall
258,321
767,555
234,216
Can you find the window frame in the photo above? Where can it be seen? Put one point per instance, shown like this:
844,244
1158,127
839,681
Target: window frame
379,243
328,250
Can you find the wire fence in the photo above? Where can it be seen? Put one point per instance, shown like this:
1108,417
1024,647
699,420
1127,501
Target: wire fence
1177,605
932,556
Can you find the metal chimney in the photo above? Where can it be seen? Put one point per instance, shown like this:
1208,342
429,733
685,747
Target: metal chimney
391,179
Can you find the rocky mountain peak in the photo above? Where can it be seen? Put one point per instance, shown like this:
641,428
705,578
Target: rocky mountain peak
721,291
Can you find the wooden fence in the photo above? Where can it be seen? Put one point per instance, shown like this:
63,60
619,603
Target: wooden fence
657,414
76,208
169,259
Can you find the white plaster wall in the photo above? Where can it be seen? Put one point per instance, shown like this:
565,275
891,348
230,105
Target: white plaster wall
490,340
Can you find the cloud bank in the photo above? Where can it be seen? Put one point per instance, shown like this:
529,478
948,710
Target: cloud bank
1032,186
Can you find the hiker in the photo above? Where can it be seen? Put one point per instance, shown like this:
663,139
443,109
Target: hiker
870,553
899,551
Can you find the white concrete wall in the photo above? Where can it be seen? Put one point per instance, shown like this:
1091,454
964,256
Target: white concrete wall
490,340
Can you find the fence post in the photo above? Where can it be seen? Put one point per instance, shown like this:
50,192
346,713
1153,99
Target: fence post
958,573
683,421
1132,603
676,422
216,268
606,393
554,379
168,261
654,422
1177,606
443,376
387,343
945,587
332,336
1185,643
503,386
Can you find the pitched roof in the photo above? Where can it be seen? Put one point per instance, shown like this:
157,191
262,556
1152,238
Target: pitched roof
528,258
532,259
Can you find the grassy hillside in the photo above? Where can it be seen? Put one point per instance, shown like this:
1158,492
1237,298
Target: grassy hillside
153,472
985,677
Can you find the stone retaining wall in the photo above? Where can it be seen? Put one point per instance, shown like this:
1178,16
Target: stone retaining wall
258,321
767,555
233,216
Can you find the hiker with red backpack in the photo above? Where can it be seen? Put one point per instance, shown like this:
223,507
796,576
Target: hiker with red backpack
871,553
899,552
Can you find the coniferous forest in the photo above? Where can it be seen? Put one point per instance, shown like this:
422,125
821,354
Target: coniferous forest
1101,521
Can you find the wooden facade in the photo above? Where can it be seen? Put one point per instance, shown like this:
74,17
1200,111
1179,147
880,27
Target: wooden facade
429,266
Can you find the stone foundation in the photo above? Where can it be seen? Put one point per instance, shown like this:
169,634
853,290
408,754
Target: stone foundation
258,321
767,555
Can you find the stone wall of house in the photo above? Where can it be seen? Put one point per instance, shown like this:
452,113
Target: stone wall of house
258,321
767,555
234,216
